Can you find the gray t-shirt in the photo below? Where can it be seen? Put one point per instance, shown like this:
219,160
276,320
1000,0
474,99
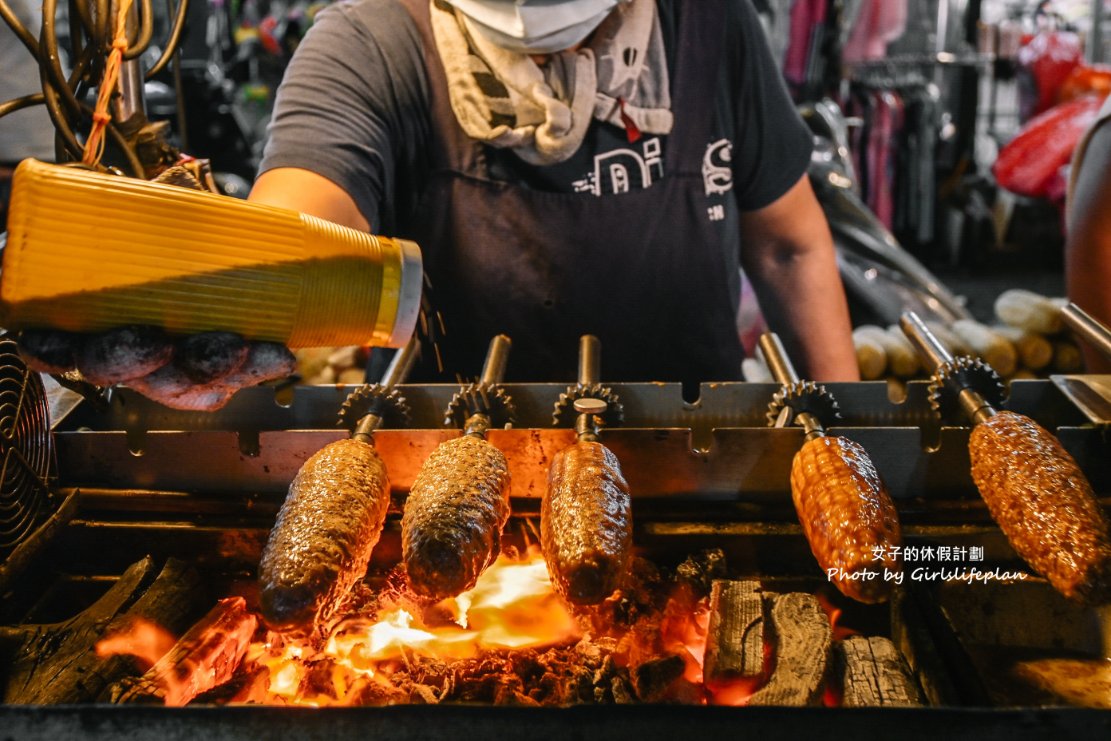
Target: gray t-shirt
354,108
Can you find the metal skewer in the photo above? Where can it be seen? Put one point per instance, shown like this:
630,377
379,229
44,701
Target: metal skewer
1090,329
784,373
971,401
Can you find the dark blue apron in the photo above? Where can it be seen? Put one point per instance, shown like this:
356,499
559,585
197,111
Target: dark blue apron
645,271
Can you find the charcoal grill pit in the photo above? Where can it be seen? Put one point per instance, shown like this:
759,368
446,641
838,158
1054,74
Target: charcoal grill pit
205,488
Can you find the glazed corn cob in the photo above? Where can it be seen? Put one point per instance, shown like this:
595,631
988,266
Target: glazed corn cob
325,532
1043,503
847,515
586,523
457,506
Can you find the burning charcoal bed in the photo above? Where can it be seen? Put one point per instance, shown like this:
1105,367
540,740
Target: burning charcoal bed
139,596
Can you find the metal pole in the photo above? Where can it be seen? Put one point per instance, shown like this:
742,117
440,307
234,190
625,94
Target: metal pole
783,371
590,360
928,346
1094,50
1088,328
497,357
131,101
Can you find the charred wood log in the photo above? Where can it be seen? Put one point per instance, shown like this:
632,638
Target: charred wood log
873,673
735,637
654,678
57,663
802,649
26,552
205,657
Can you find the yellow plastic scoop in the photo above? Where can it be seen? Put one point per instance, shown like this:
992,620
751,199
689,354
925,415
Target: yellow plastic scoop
88,251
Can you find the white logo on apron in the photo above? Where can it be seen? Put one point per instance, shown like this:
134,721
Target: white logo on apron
624,170
717,170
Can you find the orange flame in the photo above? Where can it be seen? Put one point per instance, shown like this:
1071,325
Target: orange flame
839,632
141,638
684,629
513,606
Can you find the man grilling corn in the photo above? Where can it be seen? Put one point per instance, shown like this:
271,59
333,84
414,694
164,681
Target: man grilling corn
570,167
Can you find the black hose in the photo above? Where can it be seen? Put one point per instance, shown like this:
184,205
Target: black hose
70,146
50,62
145,32
92,28
77,40
179,94
80,10
172,41
18,104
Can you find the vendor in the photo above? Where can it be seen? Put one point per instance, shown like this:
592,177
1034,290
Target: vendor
1088,247
586,166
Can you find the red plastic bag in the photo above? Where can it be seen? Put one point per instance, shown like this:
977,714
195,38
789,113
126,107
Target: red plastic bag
1029,163
1045,62
1086,79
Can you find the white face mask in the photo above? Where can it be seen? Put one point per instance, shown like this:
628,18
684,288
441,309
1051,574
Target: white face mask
535,26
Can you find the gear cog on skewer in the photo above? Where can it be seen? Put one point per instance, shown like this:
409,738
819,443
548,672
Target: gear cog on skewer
805,397
964,373
374,398
480,398
564,413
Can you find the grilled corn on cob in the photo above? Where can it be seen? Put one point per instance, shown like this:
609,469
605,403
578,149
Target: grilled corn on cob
457,506
1043,503
847,516
326,529
586,523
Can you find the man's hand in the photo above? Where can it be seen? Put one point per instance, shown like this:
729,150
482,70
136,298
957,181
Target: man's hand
196,373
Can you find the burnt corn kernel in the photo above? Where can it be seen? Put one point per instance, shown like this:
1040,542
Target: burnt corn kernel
586,523
847,516
321,543
457,506
1043,503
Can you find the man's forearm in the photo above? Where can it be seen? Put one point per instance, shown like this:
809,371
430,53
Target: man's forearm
309,193
790,258
811,317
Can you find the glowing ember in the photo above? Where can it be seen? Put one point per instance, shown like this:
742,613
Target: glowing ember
685,633
205,657
510,640
513,606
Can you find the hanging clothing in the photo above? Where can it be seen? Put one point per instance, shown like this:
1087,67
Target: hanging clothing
882,148
776,18
895,153
878,23
808,19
